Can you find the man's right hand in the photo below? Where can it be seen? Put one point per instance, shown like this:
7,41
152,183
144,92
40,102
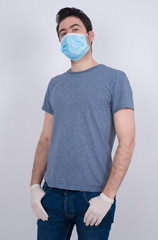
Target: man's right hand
36,195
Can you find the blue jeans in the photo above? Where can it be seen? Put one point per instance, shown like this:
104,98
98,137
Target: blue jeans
65,208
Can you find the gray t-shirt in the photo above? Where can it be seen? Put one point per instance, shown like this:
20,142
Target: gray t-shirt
83,104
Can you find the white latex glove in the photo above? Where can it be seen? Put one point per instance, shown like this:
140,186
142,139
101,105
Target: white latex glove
36,195
99,206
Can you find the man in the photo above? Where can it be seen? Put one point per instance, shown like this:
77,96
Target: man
85,107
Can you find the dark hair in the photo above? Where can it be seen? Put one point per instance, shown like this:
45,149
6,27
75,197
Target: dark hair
66,12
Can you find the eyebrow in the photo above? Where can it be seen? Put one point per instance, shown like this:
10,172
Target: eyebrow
63,29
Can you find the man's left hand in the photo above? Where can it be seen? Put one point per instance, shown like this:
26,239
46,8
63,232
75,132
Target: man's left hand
97,210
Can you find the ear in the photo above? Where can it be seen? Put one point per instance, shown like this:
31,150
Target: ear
91,35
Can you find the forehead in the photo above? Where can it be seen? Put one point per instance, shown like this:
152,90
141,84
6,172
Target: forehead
67,22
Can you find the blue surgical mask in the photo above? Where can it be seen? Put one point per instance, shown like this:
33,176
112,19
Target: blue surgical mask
74,45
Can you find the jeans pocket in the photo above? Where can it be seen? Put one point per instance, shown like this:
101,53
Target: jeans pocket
90,195
46,189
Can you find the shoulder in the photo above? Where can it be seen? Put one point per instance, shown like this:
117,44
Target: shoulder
113,72
56,79
113,76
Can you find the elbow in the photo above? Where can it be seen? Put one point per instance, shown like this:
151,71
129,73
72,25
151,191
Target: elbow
127,144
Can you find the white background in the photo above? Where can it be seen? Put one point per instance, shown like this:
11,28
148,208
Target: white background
126,38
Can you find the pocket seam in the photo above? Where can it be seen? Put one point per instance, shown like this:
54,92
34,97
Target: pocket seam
46,192
85,196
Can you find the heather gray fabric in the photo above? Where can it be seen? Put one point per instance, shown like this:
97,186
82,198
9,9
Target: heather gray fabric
83,104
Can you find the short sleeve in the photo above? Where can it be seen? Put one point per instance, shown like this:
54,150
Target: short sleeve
47,103
122,94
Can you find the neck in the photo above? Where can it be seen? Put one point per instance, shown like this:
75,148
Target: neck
83,63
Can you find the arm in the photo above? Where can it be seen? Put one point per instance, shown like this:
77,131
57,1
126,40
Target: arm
41,155
39,167
125,130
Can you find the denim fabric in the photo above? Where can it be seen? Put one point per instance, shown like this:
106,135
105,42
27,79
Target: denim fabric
65,209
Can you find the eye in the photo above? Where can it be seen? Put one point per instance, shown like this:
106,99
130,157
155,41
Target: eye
62,34
76,29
